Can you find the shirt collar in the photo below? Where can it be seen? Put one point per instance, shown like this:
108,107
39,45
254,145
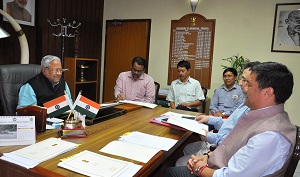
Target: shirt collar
179,81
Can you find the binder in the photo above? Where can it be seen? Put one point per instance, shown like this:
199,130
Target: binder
40,114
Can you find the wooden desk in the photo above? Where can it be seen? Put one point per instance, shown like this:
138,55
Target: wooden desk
101,134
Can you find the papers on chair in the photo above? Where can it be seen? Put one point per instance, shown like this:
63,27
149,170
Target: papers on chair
189,124
148,105
32,155
17,130
93,164
130,151
163,92
147,140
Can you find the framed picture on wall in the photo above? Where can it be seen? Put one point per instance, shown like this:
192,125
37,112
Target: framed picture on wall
23,11
286,30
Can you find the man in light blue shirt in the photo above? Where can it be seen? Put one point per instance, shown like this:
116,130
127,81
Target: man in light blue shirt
262,142
223,126
45,86
227,97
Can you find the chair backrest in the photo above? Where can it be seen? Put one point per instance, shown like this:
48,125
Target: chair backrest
295,156
157,86
12,77
203,105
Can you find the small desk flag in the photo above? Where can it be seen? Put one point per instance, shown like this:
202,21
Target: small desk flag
58,106
86,106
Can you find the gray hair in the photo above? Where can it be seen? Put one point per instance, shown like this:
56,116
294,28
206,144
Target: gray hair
48,59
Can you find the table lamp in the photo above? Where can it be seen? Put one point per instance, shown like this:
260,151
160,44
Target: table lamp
21,35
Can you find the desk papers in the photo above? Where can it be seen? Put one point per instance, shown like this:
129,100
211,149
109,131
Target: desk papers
32,155
192,125
138,146
129,150
148,105
17,130
96,165
147,140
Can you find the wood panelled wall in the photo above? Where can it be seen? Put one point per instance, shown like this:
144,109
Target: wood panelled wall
40,39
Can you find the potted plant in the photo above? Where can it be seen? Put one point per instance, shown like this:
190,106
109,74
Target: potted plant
237,62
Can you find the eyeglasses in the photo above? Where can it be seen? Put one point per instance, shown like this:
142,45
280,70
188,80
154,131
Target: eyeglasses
56,70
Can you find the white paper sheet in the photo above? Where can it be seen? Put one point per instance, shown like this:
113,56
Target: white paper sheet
17,130
96,165
129,150
148,105
32,155
192,125
147,140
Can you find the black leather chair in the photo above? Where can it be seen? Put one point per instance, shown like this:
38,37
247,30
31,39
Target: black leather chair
157,86
295,156
12,77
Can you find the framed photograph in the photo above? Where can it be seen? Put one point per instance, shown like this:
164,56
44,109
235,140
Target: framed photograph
23,11
286,30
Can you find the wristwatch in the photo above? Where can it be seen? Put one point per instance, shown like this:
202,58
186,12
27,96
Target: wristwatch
196,172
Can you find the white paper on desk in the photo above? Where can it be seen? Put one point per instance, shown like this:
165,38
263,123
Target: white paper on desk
147,140
109,104
54,120
17,130
130,151
148,105
44,150
188,124
93,164
172,114
24,162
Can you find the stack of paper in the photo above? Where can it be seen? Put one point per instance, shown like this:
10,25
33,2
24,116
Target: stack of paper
32,155
184,121
93,164
138,146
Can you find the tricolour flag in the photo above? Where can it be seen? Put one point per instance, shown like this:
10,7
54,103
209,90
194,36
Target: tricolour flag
86,106
57,106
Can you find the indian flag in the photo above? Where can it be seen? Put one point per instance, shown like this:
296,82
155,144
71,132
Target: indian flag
86,106
57,106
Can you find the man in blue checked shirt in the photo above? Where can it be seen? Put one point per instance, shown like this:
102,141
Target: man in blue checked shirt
227,97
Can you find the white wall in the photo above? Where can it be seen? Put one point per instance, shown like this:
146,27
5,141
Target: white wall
242,26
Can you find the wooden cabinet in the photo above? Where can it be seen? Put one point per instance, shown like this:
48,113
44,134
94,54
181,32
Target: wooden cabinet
82,75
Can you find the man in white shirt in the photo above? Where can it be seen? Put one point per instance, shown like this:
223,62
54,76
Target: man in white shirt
185,93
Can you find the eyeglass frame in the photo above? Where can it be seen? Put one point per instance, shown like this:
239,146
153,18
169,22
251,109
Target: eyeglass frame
56,70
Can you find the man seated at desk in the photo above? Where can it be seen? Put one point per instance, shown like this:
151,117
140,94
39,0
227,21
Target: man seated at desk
135,85
185,93
45,86
227,97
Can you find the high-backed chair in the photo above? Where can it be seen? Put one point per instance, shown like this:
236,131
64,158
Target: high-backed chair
295,156
203,105
157,86
12,77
